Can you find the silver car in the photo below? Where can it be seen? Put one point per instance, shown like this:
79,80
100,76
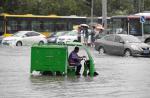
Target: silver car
21,38
122,44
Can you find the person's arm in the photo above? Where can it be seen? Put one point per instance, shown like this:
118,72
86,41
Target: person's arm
81,57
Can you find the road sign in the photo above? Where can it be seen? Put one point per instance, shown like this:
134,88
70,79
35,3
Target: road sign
142,19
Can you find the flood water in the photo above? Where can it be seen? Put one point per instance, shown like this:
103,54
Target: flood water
119,77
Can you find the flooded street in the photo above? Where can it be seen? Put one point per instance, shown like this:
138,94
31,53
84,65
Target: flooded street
119,77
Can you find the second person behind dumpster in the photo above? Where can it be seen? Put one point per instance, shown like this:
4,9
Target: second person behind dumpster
75,60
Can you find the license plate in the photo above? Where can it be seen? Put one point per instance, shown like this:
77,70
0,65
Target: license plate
146,51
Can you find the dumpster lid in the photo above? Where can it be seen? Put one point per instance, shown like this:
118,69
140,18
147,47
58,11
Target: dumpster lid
74,44
49,46
59,45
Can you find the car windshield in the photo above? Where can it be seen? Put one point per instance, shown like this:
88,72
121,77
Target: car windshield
131,39
60,33
71,33
18,34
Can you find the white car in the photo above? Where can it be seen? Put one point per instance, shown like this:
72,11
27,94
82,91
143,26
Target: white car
24,38
70,36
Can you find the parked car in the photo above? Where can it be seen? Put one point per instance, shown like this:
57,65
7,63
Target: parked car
122,44
54,36
24,38
70,36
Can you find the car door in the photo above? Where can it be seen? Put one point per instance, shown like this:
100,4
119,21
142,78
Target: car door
29,38
35,37
118,45
26,39
108,43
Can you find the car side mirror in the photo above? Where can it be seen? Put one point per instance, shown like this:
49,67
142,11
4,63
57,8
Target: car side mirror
24,36
122,42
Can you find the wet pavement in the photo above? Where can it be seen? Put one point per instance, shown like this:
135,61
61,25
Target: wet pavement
119,77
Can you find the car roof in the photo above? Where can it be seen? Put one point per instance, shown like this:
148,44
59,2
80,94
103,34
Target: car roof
23,32
26,31
121,35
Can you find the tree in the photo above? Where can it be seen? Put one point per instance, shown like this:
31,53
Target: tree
88,3
72,7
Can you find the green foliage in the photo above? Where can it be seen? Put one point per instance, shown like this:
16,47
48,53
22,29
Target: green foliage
72,7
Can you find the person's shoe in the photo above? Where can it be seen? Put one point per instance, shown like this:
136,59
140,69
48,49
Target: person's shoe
95,73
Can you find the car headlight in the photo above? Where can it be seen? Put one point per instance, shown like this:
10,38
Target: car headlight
13,40
68,39
52,39
8,40
134,47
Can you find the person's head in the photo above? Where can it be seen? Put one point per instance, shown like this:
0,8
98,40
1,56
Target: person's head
93,27
76,49
79,28
101,30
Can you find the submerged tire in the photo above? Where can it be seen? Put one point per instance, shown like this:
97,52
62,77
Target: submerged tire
101,50
127,53
47,73
41,43
19,43
147,41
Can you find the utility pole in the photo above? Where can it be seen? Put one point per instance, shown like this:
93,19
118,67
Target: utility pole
92,12
104,13
139,6
90,3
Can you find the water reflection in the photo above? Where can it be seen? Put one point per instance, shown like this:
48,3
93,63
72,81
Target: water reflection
60,86
57,79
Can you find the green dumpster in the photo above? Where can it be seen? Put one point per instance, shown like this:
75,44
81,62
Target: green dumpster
54,58
50,58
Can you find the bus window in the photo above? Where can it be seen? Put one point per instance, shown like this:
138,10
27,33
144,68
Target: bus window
60,26
47,26
12,26
23,25
119,26
1,27
147,27
135,27
38,26
41,23
35,25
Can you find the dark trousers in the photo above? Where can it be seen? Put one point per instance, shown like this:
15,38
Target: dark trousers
79,38
78,68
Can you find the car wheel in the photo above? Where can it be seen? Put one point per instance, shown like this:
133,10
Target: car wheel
19,43
41,43
127,53
75,41
148,41
101,50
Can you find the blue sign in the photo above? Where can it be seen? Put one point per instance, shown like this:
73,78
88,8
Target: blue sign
142,19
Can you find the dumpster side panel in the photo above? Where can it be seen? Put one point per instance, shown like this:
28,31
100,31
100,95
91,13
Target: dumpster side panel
48,59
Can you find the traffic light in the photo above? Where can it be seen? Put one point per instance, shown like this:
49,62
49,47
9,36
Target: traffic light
89,3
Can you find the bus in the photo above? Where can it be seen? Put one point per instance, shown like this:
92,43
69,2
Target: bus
9,24
45,24
130,24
